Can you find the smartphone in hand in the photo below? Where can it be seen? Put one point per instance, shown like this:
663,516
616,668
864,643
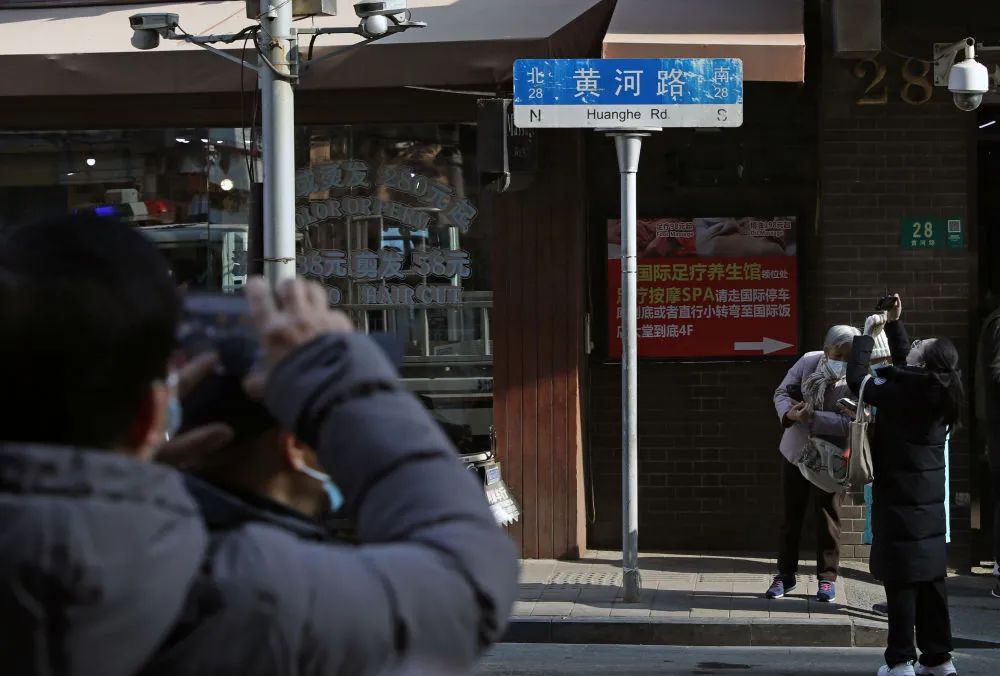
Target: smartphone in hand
886,303
209,319
849,404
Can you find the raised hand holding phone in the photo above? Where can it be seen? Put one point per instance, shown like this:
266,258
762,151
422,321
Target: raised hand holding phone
291,317
895,311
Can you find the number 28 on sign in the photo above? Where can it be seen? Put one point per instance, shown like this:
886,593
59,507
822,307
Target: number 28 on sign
931,233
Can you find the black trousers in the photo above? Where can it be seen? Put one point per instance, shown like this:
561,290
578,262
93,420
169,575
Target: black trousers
924,606
798,490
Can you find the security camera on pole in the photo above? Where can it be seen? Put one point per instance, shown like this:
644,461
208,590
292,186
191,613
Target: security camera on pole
278,69
628,99
967,79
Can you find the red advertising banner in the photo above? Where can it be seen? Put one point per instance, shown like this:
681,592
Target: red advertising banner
710,287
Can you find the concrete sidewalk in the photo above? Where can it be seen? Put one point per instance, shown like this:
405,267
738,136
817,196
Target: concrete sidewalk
691,599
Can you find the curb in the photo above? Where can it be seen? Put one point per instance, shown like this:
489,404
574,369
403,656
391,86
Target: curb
835,633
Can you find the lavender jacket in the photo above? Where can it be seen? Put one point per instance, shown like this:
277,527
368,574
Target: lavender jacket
826,423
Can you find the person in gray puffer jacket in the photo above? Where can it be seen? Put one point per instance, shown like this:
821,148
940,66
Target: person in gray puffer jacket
106,564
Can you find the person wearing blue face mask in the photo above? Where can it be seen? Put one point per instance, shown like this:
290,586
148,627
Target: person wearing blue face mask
111,566
806,404
264,474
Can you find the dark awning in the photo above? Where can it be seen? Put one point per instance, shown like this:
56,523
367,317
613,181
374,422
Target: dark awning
766,34
87,51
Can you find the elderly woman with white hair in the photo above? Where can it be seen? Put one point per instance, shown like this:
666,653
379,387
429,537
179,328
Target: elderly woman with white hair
806,403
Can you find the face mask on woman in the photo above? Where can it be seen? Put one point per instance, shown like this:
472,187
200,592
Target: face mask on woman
836,369
916,355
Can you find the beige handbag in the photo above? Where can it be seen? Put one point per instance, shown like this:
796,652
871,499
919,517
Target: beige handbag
859,452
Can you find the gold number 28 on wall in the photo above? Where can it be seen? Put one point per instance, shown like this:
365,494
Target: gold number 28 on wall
915,90
872,95
916,78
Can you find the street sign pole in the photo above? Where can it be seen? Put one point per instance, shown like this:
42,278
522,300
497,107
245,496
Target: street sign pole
628,99
628,144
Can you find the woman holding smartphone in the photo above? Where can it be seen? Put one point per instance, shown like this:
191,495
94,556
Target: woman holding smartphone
806,402
918,401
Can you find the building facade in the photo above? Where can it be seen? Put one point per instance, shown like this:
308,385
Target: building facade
505,298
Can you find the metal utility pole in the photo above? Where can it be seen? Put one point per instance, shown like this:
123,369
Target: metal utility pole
628,144
278,69
278,129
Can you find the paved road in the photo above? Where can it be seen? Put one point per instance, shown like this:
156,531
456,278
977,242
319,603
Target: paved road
536,659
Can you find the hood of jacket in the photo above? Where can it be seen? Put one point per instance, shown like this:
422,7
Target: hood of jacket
97,553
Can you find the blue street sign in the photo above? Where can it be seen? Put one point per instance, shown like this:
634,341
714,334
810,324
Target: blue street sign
625,93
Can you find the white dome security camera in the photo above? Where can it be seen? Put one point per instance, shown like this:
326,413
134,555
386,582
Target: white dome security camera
375,25
376,15
968,80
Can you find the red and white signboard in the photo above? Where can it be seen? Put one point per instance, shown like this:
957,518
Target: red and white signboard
710,287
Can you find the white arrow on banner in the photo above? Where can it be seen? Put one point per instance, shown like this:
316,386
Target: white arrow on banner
766,346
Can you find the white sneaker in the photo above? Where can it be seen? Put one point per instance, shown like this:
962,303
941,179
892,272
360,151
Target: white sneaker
905,669
946,669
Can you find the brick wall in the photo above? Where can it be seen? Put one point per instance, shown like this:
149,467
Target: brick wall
880,164
708,436
708,460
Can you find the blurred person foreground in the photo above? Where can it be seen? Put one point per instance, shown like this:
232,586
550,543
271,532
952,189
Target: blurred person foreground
109,565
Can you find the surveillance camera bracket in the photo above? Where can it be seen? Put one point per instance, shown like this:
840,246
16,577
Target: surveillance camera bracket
946,55
205,42
395,26
208,41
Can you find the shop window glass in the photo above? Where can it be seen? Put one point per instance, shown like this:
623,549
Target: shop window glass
388,219
186,189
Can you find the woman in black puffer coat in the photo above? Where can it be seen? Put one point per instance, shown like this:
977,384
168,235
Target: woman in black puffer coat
917,402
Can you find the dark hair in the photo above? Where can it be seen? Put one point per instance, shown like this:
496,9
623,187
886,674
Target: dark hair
88,314
941,359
